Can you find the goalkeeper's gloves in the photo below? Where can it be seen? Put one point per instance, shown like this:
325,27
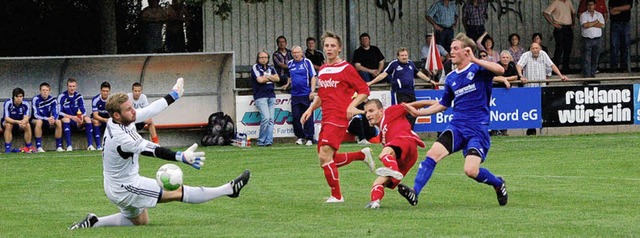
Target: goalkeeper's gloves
191,157
178,89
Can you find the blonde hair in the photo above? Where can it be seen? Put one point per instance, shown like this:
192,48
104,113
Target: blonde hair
114,101
401,50
466,41
330,34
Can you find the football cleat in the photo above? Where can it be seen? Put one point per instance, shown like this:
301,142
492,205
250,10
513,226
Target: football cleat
368,159
91,148
299,141
501,193
333,199
59,149
87,222
408,194
40,150
239,183
69,148
373,205
384,171
309,143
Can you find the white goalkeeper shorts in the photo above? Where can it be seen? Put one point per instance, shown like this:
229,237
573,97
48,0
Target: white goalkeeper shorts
132,198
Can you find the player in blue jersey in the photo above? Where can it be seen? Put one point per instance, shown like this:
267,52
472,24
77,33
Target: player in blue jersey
45,117
99,114
72,113
16,118
469,88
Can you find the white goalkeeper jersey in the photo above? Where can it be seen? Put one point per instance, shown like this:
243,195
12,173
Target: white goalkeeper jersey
140,103
123,145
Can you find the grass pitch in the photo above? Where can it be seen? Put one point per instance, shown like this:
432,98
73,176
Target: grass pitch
565,186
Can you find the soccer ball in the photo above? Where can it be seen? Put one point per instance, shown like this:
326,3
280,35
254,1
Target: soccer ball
169,177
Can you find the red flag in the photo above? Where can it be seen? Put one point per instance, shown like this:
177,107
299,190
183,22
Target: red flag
434,62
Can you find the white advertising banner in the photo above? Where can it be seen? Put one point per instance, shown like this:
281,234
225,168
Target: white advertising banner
248,116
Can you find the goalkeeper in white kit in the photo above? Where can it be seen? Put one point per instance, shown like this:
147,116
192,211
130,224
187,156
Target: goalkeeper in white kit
124,186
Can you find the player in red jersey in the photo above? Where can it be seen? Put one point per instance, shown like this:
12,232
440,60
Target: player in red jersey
400,145
337,82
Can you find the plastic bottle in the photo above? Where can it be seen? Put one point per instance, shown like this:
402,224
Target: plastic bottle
79,114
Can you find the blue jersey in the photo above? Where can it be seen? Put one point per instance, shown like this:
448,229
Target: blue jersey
262,90
469,90
16,112
44,108
70,104
401,76
301,73
99,105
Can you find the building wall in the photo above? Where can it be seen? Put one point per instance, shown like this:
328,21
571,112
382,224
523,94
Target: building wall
252,27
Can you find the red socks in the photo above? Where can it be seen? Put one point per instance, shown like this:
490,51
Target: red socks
333,179
342,159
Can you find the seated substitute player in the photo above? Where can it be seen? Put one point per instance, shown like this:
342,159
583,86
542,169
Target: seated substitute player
400,145
99,114
15,119
139,101
45,117
469,85
72,112
123,184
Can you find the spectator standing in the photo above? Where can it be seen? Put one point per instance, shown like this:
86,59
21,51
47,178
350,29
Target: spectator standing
620,11
474,14
337,82
533,66
16,118
368,59
515,50
177,18
45,117
316,56
263,76
303,86
402,72
485,42
424,52
601,7
443,15
592,23
560,15
99,114
153,19
73,113
281,56
140,101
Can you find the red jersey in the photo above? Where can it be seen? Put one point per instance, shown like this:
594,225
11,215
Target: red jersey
336,85
394,125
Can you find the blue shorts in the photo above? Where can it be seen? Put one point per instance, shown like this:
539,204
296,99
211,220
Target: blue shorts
470,136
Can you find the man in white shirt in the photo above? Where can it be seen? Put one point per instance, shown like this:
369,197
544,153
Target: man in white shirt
139,100
124,186
592,23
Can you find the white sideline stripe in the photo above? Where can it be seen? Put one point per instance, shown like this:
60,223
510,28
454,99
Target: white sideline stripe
549,177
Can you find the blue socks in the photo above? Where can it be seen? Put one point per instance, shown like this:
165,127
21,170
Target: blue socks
425,170
66,131
89,131
58,142
98,136
7,147
484,176
38,142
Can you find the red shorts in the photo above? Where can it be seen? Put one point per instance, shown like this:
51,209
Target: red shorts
331,135
407,157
